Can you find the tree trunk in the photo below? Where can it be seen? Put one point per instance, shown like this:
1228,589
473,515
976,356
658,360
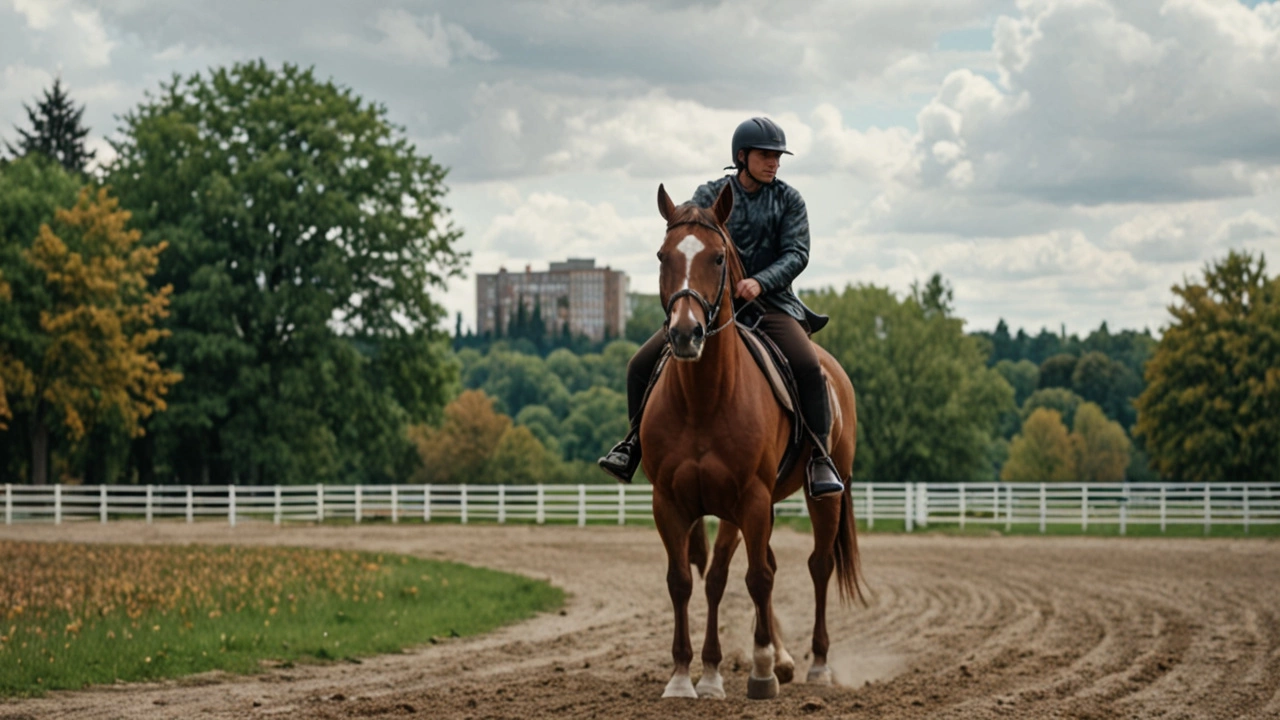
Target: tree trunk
39,450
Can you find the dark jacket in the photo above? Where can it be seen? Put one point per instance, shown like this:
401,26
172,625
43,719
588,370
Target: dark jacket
771,229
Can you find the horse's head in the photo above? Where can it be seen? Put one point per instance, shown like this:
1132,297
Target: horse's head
700,267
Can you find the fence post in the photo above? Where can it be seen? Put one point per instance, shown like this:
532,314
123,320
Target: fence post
1084,508
150,502
622,504
1008,510
1162,508
871,506
464,503
502,504
922,505
57,504
231,505
582,505
1124,511
319,502
102,504
395,504
426,503
278,509
908,508
8,503
190,506
359,501
1042,509
1208,514
1246,509
963,510
542,506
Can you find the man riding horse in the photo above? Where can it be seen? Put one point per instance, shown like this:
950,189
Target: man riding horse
770,228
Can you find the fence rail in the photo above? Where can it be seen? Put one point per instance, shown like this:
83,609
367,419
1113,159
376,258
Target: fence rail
912,505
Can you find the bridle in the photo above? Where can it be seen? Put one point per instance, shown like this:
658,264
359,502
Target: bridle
710,310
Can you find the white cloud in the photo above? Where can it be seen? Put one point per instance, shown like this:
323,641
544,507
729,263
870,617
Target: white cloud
427,40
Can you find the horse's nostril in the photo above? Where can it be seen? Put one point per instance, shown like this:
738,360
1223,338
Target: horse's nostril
698,332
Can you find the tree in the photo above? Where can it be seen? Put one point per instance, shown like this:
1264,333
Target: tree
1043,452
647,317
32,189
96,361
1022,375
460,450
1061,400
928,405
1101,446
520,458
1099,379
1211,409
597,418
1056,371
307,236
56,131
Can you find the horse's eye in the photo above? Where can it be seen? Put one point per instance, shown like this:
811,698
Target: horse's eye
719,259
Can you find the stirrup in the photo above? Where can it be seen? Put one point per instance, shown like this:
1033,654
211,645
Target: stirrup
822,476
621,462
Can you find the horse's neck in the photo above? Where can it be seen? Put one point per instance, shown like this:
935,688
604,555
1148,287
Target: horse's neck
708,384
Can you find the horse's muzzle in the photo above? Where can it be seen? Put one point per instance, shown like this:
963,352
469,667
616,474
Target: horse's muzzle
687,344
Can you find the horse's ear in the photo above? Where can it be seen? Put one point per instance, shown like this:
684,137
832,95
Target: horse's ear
665,206
723,204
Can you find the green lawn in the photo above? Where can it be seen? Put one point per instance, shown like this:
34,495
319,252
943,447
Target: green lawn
75,615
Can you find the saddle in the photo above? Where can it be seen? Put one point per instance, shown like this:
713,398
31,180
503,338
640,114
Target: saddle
782,381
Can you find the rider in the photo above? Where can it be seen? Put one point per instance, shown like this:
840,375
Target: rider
770,227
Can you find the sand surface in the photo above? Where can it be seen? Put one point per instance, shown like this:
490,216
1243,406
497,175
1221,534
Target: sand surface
991,627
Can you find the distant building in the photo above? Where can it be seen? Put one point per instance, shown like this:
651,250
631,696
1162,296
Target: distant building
592,300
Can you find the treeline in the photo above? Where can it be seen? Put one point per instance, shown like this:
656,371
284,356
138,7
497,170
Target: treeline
242,295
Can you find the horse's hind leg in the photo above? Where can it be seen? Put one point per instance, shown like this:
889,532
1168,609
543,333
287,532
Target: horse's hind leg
712,684
826,523
784,666
674,529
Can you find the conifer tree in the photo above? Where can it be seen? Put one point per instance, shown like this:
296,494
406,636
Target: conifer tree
57,131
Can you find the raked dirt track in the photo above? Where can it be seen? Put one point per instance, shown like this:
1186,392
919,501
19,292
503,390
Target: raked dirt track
992,627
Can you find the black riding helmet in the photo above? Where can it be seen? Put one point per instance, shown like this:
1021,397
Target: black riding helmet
758,133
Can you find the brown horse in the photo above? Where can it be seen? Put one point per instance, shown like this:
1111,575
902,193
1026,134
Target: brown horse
713,436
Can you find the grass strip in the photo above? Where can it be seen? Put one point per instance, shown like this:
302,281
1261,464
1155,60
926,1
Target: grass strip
74,615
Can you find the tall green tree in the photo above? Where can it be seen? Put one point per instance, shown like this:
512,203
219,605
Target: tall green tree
307,234
1211,409
32,189
646,317
1101,446
57,131
928,405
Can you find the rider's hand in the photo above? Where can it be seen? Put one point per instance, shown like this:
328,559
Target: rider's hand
748,289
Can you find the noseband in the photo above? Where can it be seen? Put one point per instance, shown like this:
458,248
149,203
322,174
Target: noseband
710,310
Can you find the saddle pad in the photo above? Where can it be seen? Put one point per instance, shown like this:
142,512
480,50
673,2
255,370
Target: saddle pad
770,369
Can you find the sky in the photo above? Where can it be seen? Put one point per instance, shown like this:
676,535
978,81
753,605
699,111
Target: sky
1060,162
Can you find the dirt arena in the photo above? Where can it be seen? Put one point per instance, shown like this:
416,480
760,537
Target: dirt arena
1018,627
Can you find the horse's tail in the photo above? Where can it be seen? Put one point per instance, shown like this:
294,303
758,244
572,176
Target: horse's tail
848,564
698,547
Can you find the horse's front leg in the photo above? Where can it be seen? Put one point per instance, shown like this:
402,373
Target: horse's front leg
757,527
825,516
673,526
711,684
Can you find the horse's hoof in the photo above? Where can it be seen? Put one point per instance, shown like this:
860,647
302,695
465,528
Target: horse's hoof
680,687
762,688
786,672
710,690
819,675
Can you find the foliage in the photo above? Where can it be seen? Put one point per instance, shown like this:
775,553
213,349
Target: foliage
646,318
1061,400
80,614
1211,408
928,405
597,419
1022,375
1109,383
56,131
307,236
1043,452
462,448
1101,446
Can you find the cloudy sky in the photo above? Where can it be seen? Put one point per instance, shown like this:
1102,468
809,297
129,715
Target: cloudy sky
1059,161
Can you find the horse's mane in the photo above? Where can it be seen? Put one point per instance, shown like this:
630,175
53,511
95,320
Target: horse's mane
691,212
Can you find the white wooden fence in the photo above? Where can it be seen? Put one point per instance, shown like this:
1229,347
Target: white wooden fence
892,505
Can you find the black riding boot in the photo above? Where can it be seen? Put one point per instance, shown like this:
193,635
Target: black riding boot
621,462
823,477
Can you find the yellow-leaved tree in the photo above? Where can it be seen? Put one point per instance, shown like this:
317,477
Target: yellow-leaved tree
478,444
99,327
1043,452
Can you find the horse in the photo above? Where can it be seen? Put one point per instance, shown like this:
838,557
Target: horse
714,436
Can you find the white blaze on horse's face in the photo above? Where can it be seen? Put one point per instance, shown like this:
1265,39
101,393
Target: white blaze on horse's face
690,246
